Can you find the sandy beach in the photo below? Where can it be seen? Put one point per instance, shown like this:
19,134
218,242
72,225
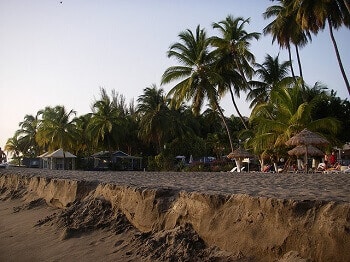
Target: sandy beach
145,216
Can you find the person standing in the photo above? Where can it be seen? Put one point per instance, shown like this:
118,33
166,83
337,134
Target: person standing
332,159
2,156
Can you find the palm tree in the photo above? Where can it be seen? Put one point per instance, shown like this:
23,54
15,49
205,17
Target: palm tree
13,146
103,126
314,15
57,129
347,4
83,144
234,61
272,74
285,29
197,79
284,115
27,135
154,116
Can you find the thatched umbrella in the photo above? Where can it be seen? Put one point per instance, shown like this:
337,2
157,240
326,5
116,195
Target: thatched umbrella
301,151
239,154
306,138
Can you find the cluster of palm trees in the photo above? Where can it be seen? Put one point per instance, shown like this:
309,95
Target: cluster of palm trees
295,21
150,128
208,68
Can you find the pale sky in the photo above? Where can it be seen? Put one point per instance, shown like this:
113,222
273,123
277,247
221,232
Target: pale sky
54,53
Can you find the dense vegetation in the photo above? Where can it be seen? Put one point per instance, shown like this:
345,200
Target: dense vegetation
161,126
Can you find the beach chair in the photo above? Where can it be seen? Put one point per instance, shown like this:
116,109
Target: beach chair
235,169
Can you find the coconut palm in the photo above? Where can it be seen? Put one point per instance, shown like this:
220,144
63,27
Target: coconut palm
154,117
284,115
103,126
27,135
13,146
83,143
314,15
272,74
286,30
234,60
57,128
196,77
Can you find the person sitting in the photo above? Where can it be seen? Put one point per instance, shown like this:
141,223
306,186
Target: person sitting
267,168
336,167
321,167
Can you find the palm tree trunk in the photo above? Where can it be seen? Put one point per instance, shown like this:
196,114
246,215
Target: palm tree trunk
347,4
225,124
299,62
291,63
236,107
338,56
64,160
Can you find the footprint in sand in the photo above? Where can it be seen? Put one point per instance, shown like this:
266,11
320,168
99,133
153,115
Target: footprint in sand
118,243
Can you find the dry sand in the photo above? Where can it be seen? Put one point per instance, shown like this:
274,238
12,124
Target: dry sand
144,216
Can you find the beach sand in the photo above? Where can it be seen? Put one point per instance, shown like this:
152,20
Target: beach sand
22,239
143,216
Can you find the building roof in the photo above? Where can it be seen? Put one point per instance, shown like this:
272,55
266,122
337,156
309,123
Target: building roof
59,154
116,154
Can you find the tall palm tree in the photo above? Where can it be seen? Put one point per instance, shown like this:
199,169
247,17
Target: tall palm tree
314,15
154,116
286,30
272,74
196,78
234,61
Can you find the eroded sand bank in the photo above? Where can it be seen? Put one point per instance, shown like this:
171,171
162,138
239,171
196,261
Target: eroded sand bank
189,216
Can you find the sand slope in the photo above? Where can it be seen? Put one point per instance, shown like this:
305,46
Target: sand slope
169,224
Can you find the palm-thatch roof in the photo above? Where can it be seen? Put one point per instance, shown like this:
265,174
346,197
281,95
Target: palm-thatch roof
301,150
239,153
306,137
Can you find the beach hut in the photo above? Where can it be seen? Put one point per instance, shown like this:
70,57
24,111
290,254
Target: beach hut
124,161
117,160
305,139
58,159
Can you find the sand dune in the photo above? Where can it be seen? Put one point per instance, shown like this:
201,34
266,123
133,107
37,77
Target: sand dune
142,216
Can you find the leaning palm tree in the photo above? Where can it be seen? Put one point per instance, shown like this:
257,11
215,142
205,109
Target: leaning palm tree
285,29
196,77
234,60
314,15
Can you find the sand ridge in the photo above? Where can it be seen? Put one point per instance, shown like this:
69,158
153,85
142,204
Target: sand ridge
227,217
